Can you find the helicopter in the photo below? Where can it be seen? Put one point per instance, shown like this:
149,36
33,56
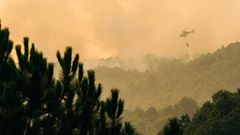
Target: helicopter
186,32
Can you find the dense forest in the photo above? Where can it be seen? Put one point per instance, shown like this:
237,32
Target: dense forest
166,81
33,102
217,117
166,99
149,121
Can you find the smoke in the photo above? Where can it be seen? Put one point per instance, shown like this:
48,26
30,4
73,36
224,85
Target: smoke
122,28
189,52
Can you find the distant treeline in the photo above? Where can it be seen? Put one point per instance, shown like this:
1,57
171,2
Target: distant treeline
149,121
33,102
221,116
166,81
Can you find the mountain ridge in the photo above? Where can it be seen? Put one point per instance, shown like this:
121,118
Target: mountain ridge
167,81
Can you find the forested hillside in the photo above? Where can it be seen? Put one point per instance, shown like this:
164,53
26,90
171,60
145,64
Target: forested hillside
217,117
162,100
149,121
166,81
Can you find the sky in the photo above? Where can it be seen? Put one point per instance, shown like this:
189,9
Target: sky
122,28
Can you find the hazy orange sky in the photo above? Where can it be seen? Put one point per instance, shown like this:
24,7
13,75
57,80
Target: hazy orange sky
125,28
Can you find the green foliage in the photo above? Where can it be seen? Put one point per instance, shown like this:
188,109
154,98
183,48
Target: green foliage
89,101
218,117
114,108
67,90
128,129
221,116
11,109
32,102
173,77
173,127
102,128
149,121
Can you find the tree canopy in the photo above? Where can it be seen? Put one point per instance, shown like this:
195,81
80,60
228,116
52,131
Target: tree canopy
217,117
34,102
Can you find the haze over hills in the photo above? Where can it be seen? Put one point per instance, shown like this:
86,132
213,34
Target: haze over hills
166,81
123,28
149,121
119,67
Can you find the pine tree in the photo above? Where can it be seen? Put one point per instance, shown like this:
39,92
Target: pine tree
114,109
67,89
173,127
102,122
128,129
33,103
36,77
12,119
89,101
